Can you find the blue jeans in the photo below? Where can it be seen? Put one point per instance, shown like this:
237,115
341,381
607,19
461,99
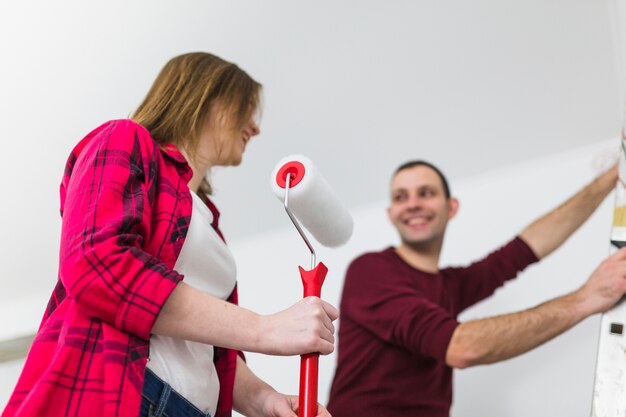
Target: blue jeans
160,400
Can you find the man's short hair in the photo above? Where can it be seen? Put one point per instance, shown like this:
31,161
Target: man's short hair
420,162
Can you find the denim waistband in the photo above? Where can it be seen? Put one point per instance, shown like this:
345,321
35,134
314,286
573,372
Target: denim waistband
160,400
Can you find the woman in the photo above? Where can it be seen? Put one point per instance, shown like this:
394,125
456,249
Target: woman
136,219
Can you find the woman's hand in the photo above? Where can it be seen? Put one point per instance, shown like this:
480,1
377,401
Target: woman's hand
280,405
305,327
253,397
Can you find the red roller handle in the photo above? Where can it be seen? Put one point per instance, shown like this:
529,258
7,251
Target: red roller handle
312,281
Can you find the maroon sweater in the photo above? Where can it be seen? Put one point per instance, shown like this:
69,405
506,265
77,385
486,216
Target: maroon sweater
396,324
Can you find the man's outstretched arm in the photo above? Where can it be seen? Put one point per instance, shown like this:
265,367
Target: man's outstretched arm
548,232
498,338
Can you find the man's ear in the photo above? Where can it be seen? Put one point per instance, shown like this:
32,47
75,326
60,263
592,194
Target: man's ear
453,205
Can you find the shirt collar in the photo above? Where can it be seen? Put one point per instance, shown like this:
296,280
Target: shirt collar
172,153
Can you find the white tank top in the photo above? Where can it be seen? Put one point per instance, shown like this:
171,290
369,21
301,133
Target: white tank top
208,265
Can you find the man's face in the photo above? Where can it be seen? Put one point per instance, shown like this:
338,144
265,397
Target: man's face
419,208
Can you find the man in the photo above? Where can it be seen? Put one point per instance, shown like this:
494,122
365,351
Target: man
399,337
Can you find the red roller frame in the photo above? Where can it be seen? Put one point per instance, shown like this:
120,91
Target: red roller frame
293,168
312,281
309,363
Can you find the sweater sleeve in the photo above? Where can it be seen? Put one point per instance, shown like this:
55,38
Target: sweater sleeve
480,279
384,301
106,219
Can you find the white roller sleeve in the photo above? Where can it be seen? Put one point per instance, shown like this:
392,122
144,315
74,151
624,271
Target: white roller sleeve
314,203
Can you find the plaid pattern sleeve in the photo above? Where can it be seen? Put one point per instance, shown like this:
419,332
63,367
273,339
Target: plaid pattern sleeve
126,207
106,222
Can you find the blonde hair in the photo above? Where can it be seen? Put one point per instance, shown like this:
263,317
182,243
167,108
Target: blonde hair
178,102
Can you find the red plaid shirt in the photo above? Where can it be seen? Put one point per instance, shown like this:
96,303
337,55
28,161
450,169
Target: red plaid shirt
126,207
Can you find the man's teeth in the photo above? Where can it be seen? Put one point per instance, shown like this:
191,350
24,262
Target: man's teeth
416,221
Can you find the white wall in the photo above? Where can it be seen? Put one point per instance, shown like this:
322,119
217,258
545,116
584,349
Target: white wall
554,380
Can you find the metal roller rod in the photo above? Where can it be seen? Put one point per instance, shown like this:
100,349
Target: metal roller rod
295,222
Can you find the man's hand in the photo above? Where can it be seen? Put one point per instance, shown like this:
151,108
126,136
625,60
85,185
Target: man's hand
502,337
606,285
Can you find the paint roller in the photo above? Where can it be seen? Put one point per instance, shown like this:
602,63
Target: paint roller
307,197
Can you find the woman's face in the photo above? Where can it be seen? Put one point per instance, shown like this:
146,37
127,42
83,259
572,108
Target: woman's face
220,142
